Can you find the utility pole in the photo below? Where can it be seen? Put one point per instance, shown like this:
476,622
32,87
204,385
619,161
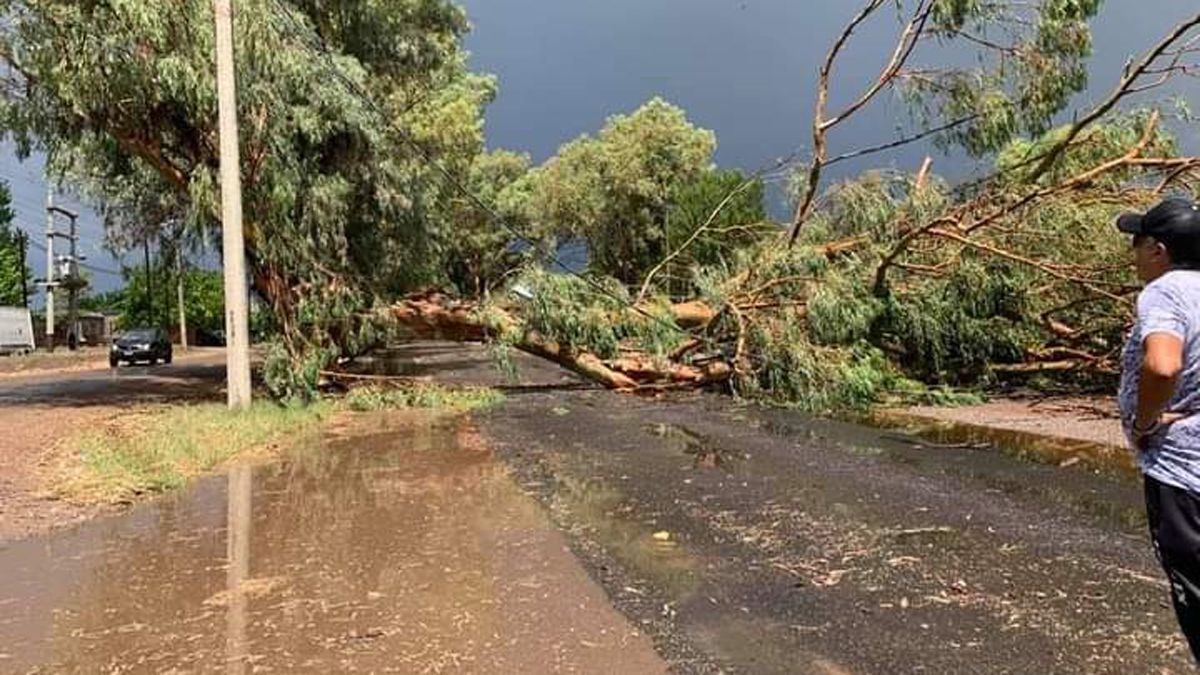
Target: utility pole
179,270
237,296
23,241
50,284
149,281
73,290
70,275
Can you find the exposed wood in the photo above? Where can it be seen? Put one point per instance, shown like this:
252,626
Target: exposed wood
693,314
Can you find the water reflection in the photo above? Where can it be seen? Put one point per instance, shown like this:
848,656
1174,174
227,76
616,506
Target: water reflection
391,551
238,545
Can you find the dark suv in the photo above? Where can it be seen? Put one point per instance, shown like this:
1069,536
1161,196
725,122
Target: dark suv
140,344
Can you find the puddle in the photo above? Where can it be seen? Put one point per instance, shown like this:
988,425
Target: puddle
1091,478
652,552
704,453
389,552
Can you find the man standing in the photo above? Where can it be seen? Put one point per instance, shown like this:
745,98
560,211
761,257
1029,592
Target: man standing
1160,393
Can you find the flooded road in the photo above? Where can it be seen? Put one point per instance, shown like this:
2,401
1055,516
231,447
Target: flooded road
398,547
586,531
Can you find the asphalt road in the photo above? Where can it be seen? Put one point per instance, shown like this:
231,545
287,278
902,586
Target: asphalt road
748,540
197,375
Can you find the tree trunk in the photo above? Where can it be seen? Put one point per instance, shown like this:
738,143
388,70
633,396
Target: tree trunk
433,315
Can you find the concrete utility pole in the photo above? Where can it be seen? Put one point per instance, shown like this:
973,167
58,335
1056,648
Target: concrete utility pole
237,296
50,284
179,269
71,276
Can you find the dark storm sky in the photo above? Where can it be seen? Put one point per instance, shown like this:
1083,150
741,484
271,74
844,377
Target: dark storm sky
744,68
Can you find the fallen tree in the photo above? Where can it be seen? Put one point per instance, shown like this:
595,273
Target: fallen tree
435,315
899,287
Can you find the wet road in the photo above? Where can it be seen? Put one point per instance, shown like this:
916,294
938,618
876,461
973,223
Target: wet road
196,375
807,546
736,539
396,548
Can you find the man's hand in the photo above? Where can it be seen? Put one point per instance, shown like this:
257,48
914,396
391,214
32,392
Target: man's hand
1142,435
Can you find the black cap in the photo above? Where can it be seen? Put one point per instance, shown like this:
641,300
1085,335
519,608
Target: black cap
1175,219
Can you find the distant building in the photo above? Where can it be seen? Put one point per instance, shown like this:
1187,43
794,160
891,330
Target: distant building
95,328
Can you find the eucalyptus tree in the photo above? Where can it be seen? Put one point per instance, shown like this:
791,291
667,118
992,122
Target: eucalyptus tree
343,104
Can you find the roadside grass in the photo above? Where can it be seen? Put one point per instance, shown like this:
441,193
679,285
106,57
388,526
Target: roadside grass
60,359
159,450
462,399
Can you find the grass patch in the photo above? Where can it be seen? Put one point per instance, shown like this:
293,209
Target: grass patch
43,360
462,399
162,450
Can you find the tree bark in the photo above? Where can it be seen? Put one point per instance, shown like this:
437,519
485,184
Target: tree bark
432,315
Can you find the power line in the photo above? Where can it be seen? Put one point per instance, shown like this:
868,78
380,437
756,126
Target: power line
317,44
29,238
101,269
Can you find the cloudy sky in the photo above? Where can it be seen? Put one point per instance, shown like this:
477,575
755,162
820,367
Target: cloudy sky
744,68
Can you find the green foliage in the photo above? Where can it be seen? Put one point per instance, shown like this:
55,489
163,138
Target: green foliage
740,223
12,274
107,302
369,398
480,251
339,211
841,312
1031,59
955,328
615,190
797,373
153,300
1096,145
574,313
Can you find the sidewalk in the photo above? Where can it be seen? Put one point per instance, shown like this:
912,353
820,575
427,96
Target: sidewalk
1084,419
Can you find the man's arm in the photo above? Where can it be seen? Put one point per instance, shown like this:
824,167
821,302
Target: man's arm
1162,361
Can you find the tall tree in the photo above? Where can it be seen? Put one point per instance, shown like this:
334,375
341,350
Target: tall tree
122,95
14,271
1023,61
615,190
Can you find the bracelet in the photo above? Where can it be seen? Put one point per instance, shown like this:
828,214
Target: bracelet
1148,430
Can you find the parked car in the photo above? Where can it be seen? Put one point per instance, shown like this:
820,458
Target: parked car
140,344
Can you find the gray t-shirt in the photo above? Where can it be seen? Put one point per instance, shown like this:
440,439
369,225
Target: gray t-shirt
1169,304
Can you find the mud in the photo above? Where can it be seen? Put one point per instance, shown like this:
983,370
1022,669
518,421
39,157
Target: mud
399,547
1093,419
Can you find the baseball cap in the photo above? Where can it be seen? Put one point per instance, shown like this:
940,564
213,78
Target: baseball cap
1174,219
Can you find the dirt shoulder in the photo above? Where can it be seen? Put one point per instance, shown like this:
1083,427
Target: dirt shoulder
26,507
1093,419
63,361
39,411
